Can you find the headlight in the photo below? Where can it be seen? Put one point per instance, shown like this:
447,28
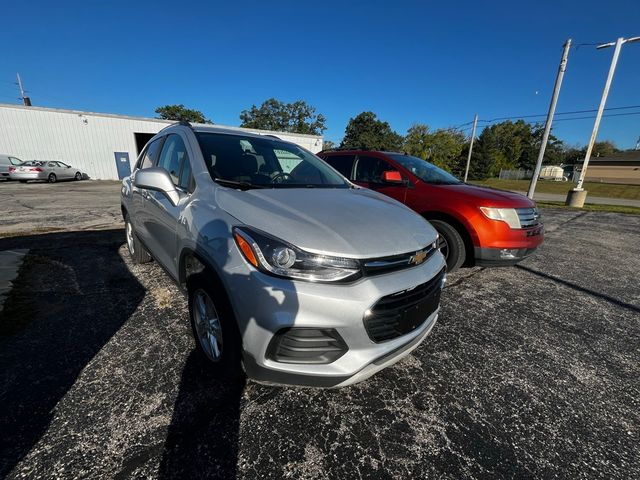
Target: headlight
279,258
507,215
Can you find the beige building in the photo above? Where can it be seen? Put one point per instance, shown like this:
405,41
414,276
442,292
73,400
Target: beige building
622,167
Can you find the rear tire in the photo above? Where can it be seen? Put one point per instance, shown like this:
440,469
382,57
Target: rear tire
214,326
23,181
451,244
52,178
136,251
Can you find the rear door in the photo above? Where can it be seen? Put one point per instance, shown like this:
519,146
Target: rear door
342,163
367,172
148,158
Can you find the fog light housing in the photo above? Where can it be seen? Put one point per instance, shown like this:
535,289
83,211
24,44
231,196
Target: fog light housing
509,253
306,345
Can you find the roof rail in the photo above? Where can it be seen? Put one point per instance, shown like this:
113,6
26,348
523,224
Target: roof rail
184,123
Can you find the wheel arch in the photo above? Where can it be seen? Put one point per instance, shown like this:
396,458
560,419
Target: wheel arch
462,229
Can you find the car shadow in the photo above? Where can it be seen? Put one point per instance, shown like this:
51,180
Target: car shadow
202,439
72,294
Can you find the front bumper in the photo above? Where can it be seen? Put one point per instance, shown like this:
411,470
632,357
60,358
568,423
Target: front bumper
501,257
503,246
264,305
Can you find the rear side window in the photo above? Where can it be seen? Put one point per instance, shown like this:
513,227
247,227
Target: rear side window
369,169
342,163
150,156
173,157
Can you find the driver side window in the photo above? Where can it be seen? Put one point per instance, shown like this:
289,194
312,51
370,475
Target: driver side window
370,169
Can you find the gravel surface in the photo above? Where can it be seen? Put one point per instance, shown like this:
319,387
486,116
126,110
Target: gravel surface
531,371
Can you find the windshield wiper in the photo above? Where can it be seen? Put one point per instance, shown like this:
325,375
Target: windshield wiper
239,185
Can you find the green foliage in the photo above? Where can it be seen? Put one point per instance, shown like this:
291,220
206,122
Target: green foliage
328,145
511,145
442,147
181,113
603,149
296,117
366,132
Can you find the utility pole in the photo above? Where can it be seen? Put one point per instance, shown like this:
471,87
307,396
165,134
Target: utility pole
473,136
547,125
577,196
26,101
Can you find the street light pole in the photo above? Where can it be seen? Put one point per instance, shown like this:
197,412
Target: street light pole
577,196
547,125
473,136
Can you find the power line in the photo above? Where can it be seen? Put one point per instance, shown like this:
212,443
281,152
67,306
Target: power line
593,116
558,113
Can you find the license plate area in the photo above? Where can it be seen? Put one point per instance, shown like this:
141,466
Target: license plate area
412,317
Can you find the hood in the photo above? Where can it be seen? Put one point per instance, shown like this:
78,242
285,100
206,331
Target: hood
355,223
489,197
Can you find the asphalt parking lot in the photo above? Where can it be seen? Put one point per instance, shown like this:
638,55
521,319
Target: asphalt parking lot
531,372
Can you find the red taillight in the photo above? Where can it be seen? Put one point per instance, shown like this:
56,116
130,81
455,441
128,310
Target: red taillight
12,169
37,169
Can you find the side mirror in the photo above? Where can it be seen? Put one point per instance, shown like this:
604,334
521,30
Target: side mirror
157,179
392,176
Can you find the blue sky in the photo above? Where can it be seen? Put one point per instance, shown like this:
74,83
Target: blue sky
432,62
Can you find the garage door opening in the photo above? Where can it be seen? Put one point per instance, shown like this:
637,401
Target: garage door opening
141,140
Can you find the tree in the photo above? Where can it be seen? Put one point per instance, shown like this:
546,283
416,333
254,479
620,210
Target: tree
366,132
181,113
296,117
441,147
605,148
328,145
509,145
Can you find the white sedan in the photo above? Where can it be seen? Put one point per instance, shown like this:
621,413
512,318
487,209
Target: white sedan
50,171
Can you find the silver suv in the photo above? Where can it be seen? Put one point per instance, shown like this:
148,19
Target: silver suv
292,272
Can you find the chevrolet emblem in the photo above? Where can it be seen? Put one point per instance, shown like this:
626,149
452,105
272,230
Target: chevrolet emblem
418,258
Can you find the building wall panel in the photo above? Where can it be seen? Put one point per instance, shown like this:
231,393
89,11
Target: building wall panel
87,140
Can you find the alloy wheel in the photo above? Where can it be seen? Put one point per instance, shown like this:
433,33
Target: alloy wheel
207,324
129,233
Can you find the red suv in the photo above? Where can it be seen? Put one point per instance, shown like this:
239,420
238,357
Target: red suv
477,225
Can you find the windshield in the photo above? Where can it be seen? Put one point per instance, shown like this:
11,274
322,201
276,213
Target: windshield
264,162
425,171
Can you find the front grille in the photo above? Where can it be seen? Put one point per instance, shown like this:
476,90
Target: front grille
529,217
376,266
402,312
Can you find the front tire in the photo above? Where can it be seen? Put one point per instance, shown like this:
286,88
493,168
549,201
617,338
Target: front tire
136,251
52,178
451,244
78,176
214,326
23,181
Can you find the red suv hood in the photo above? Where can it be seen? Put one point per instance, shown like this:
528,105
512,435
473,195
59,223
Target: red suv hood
487,197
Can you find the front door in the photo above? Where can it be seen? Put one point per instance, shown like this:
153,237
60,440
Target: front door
122,164
368,173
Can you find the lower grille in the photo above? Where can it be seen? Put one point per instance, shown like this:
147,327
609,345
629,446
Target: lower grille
529,217
403,312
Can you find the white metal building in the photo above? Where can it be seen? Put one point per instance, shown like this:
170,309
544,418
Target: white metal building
92,142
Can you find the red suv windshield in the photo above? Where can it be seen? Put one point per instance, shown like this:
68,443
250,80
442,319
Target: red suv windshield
425,171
